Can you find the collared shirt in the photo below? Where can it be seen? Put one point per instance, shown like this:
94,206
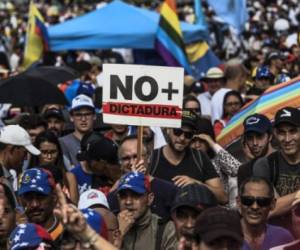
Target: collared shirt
205,103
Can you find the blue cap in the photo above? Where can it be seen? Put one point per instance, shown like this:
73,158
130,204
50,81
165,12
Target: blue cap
264,72
134,181
37,180
86,89
94,219
28,235
257,123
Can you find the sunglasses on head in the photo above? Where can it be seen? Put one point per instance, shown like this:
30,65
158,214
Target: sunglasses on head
179,132
260,201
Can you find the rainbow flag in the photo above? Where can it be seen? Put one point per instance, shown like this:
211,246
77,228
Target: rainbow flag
37,40
169,39
273,99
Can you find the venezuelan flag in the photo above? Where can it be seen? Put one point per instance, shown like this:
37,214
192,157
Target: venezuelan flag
169,39
37,40
274,98
201,58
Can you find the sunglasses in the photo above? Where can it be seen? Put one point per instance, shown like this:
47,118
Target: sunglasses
260,201
179,132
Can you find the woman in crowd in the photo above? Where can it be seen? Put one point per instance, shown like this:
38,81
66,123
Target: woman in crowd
51,154
232,103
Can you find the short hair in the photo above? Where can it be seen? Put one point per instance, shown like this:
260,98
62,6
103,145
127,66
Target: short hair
32,121
257,179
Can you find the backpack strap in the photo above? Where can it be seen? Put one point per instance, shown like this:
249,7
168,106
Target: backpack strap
154,161
197,158
273,162
161,225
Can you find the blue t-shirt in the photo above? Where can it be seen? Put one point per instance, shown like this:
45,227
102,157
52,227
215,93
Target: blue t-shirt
275,236
84,180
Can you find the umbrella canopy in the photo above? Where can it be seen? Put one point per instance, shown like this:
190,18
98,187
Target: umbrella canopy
273,99
53,74
117,25
27,90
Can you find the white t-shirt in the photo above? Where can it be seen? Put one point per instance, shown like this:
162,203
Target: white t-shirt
217,104
205,102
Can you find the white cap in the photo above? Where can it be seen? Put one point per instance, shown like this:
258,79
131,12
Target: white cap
82,101
16,135
214,73
92,197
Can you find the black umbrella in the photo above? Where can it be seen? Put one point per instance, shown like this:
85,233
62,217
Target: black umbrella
26,90
53,74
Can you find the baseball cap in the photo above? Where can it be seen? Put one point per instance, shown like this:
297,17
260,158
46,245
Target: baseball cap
257,123
16,135
82,101
214,73
86,89
92,197
28,235
217,222
102,149
94,219
54,112
36,180
264,72
288,115
195,196
135,181
189,119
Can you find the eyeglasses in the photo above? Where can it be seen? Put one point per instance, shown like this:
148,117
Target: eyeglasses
179,132
260,201
196,110
82,115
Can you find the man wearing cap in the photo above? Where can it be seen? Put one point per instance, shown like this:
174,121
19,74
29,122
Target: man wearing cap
127,153
282,167
139,228
255,202
82,115
38,198
96,200
14,144
263,80
190,201
214,80
55,120
218,228
257,139
178,163
98,167
275,61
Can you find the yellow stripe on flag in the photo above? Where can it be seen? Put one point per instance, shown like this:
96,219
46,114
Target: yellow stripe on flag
196,50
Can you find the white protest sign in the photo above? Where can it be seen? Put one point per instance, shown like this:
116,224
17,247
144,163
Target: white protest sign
142,95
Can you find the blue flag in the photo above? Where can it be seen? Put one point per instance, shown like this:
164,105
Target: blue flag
233,12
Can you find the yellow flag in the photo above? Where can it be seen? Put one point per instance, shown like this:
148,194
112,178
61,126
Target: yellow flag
36,38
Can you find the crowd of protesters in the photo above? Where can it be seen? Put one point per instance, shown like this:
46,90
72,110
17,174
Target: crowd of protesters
69,181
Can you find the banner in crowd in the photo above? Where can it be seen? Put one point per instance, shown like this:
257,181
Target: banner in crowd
142,95
273,99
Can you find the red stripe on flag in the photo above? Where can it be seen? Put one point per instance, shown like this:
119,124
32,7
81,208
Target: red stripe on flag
142,110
